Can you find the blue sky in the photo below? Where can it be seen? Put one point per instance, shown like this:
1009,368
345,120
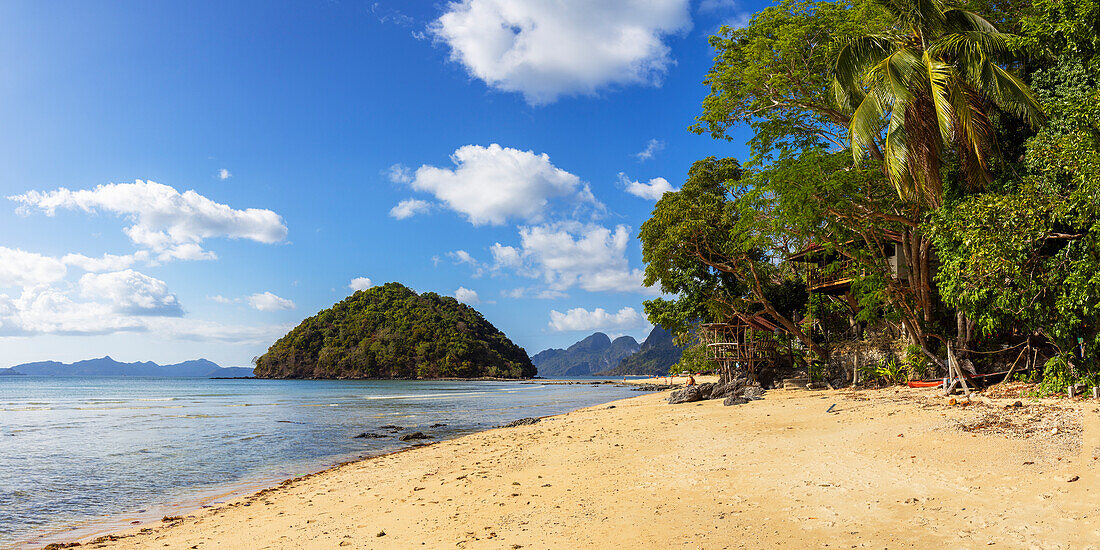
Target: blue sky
192,179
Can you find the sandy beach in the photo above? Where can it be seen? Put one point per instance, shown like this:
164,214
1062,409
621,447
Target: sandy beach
885,468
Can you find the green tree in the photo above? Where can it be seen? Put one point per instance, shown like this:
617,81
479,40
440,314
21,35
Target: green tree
716,244
930,83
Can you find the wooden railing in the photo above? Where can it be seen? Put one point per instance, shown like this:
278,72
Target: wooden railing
838,272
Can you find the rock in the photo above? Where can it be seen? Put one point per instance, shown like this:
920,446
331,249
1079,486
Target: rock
735,401
753,392
522,422
1072,479
611,406
437,425
391,427
729,388
414,435
370,435
689,394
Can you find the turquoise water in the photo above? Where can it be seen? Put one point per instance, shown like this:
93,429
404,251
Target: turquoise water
79,455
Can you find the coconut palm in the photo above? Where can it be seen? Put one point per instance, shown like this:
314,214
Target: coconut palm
931,84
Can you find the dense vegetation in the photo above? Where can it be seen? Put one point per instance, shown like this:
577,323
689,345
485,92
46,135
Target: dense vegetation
389,331
964,135
593,354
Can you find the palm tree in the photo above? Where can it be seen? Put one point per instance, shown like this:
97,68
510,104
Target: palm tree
931,84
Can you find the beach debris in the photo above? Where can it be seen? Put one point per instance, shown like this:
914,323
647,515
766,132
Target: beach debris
611,406
414,435
830,409
370,435
522,422
1072,479
381,534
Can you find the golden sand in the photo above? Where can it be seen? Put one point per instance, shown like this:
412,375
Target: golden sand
885,469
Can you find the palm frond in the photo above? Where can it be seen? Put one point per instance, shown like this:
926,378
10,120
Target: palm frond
959,20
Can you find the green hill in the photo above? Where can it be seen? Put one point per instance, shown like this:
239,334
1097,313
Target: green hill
389,331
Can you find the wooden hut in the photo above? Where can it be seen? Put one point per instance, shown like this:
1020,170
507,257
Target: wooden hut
746,343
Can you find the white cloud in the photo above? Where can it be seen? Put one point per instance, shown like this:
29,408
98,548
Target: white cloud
545,50
359,283
19,268
578,319
44,310
409,208
224,174
108,262
571,254
170,223
399,173
652,190
269,302
490,185
462,257
651,149
466,296
131,293
223,300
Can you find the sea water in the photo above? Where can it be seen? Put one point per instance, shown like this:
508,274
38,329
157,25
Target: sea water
85,455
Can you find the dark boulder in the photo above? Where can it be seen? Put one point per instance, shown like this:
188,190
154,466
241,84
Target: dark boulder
370,435
735,401
689,394
522,422
414,435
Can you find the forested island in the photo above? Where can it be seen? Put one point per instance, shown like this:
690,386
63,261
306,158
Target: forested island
389,331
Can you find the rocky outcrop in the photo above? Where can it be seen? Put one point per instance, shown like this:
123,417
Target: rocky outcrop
522,422
735,391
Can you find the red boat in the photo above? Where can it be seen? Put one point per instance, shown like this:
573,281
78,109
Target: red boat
925,383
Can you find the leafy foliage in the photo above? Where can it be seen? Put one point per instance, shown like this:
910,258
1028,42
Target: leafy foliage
389,331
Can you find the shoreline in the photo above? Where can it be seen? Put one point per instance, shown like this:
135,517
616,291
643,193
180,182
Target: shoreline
640,471
221,494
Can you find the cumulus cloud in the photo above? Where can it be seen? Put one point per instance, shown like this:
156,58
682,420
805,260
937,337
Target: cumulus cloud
131,293
545,50
653,190
170,223
578,319
466,296
107,262
490,185
359,283
572,254
45,310
269,302
651,149
224,174
19,268
409,208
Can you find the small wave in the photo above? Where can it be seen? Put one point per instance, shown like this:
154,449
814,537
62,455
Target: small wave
156,399
425,395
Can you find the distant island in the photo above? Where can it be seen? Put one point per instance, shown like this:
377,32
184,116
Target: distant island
591,355
389,331
599,355
106,366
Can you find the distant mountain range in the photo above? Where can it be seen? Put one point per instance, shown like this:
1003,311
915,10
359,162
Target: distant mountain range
589,356
105,366
657,354
598,354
